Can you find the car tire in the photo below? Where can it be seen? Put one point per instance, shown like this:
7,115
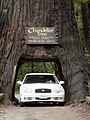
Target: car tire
61,103
21,104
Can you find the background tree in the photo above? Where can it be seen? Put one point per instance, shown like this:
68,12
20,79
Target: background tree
82,13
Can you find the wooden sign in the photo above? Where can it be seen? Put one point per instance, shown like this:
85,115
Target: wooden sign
40,35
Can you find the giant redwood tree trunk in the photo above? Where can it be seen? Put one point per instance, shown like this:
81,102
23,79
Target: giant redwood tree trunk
73,60
15,15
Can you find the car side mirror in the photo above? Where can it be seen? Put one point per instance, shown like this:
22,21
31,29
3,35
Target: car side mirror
19,82
61,82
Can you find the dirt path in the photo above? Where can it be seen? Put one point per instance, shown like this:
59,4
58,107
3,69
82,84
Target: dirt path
40,113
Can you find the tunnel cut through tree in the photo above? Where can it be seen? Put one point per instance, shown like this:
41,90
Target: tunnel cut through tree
34,66
15,15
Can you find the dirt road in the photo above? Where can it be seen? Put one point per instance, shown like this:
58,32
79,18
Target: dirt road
40,113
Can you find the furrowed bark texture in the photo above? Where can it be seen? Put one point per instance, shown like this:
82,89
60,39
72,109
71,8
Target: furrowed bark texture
73,60
15,15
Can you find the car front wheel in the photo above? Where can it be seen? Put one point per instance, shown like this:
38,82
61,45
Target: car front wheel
61,103
21,104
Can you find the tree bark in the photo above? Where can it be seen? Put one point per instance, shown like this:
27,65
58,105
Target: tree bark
73,60
15,15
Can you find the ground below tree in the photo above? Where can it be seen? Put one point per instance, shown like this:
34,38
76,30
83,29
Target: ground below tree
79,112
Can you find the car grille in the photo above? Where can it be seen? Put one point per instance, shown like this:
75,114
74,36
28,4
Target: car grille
43,91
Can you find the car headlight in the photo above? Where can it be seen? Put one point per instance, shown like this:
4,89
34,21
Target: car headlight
27,90
58,90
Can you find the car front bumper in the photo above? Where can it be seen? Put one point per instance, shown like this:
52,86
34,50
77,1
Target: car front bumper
57,97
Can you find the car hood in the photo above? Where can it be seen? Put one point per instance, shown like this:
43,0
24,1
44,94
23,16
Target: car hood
40,86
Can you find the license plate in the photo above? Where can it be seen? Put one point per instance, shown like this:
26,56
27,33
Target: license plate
43,97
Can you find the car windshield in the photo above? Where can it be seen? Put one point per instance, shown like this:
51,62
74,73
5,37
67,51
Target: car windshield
40,79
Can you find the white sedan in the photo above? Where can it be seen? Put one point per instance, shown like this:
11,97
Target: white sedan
41,87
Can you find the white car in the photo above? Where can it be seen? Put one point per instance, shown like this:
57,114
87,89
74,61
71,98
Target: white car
41,87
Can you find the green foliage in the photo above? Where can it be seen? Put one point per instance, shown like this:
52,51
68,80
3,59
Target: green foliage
78,2
35,67
25,68
87,57
78,16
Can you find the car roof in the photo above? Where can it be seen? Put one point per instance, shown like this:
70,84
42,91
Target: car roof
39,74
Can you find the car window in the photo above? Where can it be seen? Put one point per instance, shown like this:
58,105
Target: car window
40,79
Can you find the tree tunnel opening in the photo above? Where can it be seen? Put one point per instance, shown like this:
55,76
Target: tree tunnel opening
36,66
